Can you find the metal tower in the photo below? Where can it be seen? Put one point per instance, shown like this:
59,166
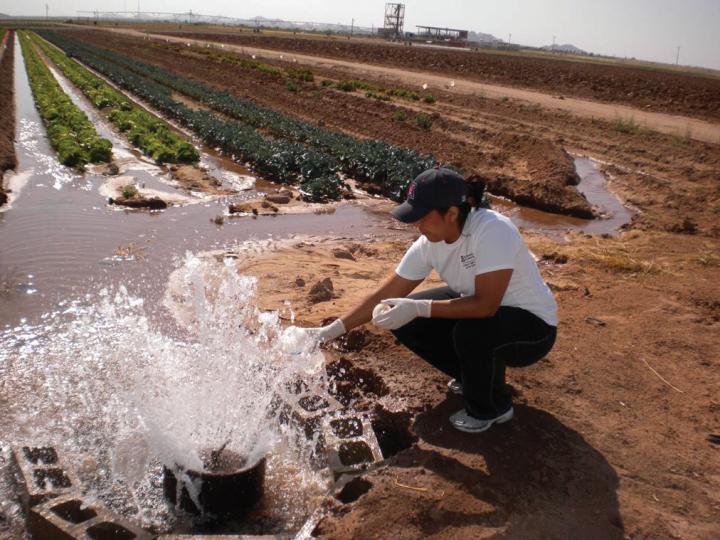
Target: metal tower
394,20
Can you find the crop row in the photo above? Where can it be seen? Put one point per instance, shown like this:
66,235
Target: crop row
386,165
70,132
303,74
153,136
278,160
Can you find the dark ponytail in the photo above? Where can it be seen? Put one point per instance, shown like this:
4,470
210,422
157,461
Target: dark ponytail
476,191
476,198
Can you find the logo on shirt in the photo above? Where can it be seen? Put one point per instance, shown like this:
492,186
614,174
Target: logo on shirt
468,261
411,192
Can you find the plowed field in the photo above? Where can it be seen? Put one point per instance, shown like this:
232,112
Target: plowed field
650,89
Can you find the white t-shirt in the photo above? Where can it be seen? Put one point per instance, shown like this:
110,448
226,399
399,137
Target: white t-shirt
489,242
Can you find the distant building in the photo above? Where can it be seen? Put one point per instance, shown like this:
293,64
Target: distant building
448,35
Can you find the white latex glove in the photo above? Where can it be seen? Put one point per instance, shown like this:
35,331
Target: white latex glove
327,333
296,339
401,312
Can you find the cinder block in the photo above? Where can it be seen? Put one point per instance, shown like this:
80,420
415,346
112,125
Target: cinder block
304,409
351,446
44,474
71,517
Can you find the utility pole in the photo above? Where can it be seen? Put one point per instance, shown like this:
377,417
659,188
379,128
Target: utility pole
677,57
352,27
47,8
553,46
509,39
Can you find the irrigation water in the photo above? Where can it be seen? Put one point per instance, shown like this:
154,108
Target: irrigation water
123,398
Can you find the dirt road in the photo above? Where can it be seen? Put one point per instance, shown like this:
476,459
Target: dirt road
666,123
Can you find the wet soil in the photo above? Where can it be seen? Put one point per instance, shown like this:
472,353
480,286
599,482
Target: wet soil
652,89
7,114
601,446
515,161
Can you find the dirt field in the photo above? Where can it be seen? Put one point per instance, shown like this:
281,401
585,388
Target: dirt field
601,446
655,90
7,115
611,435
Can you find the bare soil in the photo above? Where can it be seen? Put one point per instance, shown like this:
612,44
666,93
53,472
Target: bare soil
194,178
7,114
642,87
610,437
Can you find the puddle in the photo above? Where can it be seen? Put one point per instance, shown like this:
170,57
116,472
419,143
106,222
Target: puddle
613,214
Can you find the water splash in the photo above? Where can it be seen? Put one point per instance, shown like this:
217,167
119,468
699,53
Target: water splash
97,379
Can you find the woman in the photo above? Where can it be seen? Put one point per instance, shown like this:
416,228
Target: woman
496,310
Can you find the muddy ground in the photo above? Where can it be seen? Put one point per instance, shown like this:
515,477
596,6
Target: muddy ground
7,115
656,89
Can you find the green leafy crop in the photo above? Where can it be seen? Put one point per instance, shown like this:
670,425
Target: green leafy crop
70,132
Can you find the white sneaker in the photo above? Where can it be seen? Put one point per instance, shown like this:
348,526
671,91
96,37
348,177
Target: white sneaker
455,387
464,422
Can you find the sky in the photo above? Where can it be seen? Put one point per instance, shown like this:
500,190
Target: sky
644,29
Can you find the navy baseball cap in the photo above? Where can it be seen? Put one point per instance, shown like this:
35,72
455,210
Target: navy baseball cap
433,189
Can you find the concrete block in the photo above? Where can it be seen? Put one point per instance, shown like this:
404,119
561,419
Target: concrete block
44,474
71,517
351,446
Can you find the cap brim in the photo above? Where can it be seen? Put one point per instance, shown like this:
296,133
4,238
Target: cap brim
407,213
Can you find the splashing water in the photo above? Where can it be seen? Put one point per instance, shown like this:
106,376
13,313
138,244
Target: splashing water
99,381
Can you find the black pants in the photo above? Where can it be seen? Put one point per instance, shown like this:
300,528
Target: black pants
476,351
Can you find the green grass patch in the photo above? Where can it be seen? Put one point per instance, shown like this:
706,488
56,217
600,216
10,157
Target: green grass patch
404,94
400,115
375,95
129,191
627,125
346,86
300,74
423,121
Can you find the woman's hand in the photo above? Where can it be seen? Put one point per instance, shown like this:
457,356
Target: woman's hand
401,312
329,332
297,340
